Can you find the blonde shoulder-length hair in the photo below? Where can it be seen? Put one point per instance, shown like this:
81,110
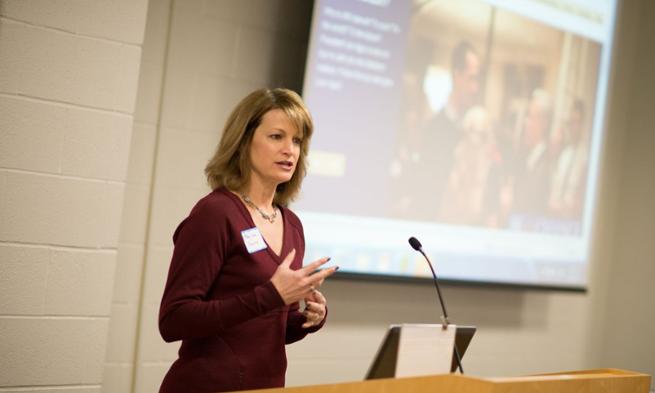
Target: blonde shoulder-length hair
230,166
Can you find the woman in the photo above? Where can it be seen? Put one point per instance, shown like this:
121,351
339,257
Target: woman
236,276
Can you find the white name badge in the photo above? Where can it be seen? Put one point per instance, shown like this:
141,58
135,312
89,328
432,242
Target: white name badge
253,240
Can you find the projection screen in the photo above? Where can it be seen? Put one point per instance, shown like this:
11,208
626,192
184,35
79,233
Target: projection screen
474,125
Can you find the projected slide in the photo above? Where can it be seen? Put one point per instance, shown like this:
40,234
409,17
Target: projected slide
473,125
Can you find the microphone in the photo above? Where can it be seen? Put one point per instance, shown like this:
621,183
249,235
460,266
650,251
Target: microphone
416,245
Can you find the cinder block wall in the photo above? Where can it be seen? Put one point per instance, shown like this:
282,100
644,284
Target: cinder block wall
68,81
125,308
77,209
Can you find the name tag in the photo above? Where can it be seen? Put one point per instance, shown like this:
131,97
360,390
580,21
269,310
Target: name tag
253,240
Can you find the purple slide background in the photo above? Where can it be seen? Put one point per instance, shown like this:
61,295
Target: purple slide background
371,110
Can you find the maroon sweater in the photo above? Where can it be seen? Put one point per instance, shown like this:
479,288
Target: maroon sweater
220,302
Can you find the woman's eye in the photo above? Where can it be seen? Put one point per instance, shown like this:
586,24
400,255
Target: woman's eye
276,136
297,141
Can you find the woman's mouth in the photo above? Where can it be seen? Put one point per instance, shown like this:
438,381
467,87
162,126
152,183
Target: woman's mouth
286,165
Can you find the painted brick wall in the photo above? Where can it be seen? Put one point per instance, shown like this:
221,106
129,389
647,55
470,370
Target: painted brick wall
68,80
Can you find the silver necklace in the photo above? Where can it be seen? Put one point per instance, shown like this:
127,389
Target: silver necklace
268,217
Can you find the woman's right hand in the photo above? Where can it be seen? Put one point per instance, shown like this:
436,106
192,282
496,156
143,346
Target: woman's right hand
295,285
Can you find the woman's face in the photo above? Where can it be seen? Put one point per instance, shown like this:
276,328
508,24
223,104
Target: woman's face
275,148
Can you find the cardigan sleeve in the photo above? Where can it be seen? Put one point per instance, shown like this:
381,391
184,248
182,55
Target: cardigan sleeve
200,248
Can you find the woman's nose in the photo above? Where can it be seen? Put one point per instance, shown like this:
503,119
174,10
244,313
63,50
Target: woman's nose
288,146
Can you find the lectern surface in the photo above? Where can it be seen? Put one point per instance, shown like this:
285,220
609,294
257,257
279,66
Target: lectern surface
590,381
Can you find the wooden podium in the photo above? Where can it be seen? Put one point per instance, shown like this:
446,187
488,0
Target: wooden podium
590,381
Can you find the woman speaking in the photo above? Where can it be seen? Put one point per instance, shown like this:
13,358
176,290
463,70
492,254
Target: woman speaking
236,277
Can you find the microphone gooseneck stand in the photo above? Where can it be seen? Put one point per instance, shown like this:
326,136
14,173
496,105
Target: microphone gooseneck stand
416,245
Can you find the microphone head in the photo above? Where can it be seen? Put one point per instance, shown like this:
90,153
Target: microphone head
415,243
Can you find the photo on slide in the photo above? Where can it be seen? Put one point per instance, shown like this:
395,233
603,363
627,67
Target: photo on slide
496,121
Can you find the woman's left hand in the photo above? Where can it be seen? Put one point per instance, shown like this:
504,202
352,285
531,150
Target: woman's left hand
314,309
